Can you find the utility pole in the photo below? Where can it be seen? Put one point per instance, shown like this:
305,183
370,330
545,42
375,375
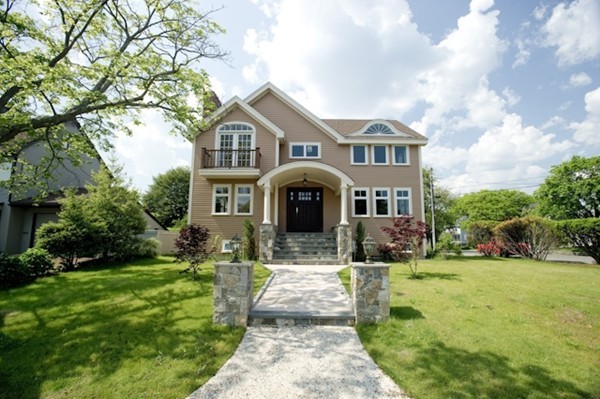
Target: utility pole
432,209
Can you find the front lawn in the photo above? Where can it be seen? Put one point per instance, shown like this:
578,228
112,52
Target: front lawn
137,330
491,328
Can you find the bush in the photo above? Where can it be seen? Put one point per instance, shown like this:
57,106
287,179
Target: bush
38,262
583,234
191,247
68,241
530,237
249,241
407,237
481,232
13,272
140,248
446,244
360,255
489,249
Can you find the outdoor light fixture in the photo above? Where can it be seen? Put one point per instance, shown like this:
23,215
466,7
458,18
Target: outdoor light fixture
235,248
369,246
305,181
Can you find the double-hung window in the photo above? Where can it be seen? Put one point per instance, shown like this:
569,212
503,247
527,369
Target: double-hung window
221,199
359,155
400,155
305,150
381,200
379,155
243,199
403,203
360,202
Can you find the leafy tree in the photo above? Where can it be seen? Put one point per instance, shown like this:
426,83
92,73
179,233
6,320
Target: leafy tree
167,196
493,205
102,222
99,63
571,190
406,239
191,247
445,217
583,234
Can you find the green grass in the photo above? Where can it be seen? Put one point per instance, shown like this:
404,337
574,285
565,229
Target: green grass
491,328
137,330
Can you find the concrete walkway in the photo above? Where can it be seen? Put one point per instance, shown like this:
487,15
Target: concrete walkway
301,362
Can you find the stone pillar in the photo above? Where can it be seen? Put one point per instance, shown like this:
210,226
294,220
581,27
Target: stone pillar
344,243
266,242
232,293
371,292
267,204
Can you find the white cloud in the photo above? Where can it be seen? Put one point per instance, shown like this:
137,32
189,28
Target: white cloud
539,12
588,131
523,53
574,30
511,97
580,79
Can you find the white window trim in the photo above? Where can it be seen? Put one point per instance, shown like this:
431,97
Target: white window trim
367,199
394,155
214,200
251,199
304,144
235,132
396,189
352,162
387,155
226,247
375,198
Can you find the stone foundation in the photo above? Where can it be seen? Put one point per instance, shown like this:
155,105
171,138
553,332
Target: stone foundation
344,243
266,242
232,293
371,292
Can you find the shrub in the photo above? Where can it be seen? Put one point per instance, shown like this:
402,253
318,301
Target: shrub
360,255
249,241
68,241
407,237
481,232
191,247
140,248
530,237
385,251
583,234
489,249
13,272
38,262
446,244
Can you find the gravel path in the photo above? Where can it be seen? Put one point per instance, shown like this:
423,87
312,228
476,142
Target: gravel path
299,362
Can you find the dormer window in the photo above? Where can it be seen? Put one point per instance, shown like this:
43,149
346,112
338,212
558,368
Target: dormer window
378,128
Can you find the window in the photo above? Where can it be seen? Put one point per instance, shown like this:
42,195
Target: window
403,203
221,199
378,128
243,199
305,150
359,155
5,171
360,202
400,155
379,156
235,142
226,247
382,201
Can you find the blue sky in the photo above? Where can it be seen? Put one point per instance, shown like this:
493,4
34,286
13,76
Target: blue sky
503,90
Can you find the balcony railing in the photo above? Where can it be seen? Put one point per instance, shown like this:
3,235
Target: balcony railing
230,158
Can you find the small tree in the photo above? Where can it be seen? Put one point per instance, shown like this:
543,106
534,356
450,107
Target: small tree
583,234
406,239
249,241
360,237
529,237
191,247
167,196
481,232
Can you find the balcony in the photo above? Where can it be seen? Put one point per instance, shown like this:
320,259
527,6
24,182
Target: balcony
230,163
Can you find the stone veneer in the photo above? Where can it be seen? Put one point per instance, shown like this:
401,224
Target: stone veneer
232,293
371,292
266,242
344,244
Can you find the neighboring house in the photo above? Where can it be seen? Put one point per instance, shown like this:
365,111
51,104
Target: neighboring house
268,159
21,217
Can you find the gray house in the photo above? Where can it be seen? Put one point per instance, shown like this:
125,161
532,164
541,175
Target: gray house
22,216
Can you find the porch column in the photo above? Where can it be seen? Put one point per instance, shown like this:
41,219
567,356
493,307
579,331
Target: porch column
267,204
276,205
344,205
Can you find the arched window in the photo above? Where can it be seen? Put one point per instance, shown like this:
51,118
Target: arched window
378,128
235,142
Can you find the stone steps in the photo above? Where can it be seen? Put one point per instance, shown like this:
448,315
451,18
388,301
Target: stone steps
285,319
305,249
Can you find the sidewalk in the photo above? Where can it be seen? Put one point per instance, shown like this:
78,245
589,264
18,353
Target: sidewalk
301,362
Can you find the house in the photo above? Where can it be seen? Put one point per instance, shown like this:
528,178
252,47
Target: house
268,159
21,216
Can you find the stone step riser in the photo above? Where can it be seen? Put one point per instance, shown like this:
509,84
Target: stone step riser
282,322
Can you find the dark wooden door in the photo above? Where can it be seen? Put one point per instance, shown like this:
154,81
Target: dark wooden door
304,209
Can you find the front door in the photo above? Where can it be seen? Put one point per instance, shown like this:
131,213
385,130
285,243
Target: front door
304,209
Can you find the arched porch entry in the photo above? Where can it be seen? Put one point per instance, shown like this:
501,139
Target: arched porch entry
301,193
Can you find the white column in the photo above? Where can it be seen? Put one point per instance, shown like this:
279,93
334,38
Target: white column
267,204
344,205
276,205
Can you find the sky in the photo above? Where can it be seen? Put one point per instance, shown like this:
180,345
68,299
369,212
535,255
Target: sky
503,90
